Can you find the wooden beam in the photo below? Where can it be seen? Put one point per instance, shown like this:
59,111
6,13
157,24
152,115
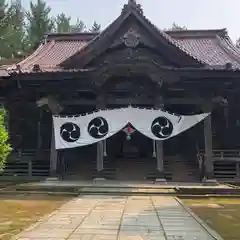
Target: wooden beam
126,101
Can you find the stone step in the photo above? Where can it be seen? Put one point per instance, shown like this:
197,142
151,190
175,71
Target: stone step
182,169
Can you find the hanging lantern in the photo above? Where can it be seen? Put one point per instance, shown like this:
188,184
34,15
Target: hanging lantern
129,131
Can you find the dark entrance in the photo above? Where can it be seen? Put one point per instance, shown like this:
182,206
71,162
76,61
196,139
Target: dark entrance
77,163
132,157
180,152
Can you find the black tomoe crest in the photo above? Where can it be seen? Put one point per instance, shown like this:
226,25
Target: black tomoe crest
98,128
162,127
70,132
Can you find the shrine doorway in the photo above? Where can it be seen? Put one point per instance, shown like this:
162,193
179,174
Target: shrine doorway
131,155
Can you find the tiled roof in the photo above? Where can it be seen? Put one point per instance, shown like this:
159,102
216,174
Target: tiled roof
51,53
207,47
212,47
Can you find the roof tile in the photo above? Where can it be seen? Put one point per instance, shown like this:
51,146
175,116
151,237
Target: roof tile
212,51
51,54
212,47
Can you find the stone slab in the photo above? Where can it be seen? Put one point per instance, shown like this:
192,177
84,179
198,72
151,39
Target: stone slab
93,217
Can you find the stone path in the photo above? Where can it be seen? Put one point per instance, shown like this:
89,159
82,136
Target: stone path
118,218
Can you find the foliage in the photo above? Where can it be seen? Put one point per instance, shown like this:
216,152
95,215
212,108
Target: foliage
12,30
176,27
2,9
96,28
13,33
22,31
79,26
5,148
39,22
2,20
63,23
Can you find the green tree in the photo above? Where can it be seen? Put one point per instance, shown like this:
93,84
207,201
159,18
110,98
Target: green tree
3,25
2,18
96,28
39,22
14,42
63,23
12,30
177,27
2,9
79,26
5,147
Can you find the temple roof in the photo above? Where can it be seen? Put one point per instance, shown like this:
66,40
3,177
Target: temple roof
211,48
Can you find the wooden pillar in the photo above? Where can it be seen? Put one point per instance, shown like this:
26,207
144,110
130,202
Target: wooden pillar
238,171
30,167
159,154
159,144
53,156
101,104
100,156
55,109
39,137
208,161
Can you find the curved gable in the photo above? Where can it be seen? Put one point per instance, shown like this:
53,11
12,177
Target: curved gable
131,18
196,48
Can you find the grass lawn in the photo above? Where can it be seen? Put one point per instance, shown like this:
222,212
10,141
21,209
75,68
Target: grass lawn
18,212
221,214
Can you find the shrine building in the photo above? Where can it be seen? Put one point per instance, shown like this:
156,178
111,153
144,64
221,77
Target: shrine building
130,63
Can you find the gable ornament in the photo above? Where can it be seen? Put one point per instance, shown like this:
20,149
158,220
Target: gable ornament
131,38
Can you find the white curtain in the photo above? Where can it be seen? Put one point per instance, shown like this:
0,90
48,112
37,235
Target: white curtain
79,131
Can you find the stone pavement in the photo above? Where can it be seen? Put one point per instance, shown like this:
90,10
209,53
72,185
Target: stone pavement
92,217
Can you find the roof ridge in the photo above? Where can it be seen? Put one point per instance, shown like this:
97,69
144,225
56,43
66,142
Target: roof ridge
90,34
132,4
83,36
173,41
197,33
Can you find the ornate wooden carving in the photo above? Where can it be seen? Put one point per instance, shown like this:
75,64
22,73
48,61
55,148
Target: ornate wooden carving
133,54
132,61
131,38
132,4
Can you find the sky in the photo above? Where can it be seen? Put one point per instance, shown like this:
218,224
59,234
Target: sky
194,14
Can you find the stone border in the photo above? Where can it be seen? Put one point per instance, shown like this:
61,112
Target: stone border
212,232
